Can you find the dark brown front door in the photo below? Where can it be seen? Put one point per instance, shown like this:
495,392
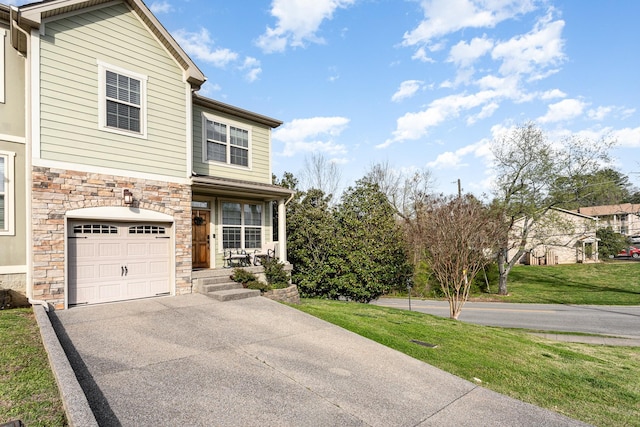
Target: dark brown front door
201,236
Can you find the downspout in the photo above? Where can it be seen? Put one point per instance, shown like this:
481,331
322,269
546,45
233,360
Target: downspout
15,13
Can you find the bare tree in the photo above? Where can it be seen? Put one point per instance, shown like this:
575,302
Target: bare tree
528,170
461,235
407,192
321,174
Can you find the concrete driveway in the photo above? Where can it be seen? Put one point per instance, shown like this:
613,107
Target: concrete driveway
190,360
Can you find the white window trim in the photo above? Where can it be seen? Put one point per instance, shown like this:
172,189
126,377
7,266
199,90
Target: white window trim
242,226
102,99
3,34
9,191
228,122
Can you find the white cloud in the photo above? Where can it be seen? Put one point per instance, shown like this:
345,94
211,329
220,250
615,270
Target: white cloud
552,94
599,113
298,21
566,109
464,54
443,17
627,137
454,159
158,7
533,52
312,135
200,46
407,89
253,68
487,111
421,55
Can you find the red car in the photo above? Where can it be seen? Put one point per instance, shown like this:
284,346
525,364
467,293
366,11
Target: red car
630,251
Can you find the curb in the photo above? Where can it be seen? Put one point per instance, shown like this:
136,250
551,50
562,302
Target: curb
75,402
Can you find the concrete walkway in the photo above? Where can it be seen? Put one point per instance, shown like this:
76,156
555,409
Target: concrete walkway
193,361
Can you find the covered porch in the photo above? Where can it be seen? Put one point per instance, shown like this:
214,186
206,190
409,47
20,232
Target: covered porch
239,218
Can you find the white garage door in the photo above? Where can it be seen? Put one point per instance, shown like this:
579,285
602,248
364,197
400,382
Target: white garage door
118,261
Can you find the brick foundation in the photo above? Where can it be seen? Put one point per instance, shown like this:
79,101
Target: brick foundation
56,191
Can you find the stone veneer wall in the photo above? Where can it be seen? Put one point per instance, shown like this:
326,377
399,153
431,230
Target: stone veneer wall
56,191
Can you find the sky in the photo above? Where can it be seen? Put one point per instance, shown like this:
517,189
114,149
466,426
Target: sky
419,83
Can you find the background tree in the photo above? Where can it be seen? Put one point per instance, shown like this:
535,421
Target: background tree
462,235
610,242
603,187
354,250
321,174
373,254
528,169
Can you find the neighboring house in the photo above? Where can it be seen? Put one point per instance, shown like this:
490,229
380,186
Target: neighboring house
560,237
13,152
623,218
133,180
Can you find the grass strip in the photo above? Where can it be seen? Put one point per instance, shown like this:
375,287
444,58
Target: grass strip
28,390
596,384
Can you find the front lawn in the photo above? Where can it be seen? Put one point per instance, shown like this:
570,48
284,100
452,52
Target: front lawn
596,384
28,390
609,283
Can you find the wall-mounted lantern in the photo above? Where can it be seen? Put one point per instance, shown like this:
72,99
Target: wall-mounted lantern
127,196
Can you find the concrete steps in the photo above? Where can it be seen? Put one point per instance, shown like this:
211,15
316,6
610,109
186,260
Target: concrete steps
222,288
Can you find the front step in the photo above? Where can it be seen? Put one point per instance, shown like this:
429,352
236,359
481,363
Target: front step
221,289
233,294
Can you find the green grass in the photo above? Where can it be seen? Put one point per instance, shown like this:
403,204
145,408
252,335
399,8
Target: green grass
609,283
596,384
28,390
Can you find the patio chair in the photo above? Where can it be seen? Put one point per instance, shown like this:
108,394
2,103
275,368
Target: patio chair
236,258
268,251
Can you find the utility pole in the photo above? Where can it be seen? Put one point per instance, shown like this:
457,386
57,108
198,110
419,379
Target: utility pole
459,188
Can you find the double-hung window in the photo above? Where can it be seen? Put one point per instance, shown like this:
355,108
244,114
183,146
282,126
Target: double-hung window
226,142
241,225
6,193
122,100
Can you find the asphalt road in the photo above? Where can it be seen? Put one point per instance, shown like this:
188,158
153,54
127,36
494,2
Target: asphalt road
620,321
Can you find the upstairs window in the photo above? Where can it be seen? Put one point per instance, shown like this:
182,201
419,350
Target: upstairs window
226,142
122,100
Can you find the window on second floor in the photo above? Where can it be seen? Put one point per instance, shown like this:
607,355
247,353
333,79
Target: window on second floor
226,142
122,101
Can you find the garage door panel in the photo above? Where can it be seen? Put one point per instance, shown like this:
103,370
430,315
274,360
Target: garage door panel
118,261
110,249
159,286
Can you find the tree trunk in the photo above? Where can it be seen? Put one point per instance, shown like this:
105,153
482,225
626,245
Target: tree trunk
503,270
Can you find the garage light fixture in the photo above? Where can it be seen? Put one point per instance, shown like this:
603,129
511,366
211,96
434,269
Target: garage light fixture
127,196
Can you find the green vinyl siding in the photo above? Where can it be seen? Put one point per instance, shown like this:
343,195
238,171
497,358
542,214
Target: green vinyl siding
260,170
13,248
12,109
69,94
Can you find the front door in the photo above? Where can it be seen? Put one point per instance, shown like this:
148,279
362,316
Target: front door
201,236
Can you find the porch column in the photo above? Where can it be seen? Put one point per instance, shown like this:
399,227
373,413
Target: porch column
282,230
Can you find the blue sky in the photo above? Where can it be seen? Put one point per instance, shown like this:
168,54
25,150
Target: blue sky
419,84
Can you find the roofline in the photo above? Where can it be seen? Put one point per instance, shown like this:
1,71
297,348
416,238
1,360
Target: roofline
31,15
574,213
239,112
232,186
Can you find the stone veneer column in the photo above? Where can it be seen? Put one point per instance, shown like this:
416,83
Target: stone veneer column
56,191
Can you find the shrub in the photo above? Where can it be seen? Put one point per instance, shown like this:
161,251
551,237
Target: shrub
243,276
256,284
274,271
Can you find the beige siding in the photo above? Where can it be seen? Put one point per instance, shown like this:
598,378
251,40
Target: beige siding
12,110
260,170
69,52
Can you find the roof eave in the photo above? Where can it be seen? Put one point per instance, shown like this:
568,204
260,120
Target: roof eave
235,111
